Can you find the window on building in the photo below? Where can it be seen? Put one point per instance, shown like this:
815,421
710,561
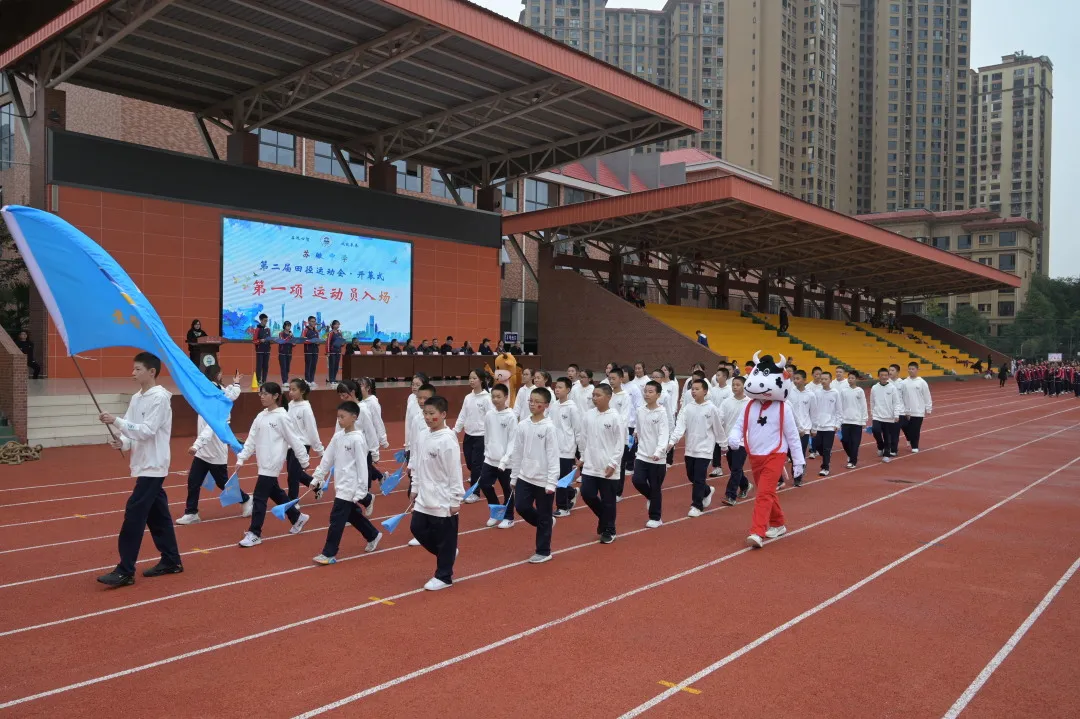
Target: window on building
988,261
984,307
539,195
510,196
326,163
439,189
277,148
7,136
410,175
986,239
1006,309
572,196
1007,239
963,242
942,243
1007,262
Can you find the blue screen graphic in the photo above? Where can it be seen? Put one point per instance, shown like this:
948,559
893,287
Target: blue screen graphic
291,273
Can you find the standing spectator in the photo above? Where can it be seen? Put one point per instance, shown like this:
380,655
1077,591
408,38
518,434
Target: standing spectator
27,347
193,336
784,319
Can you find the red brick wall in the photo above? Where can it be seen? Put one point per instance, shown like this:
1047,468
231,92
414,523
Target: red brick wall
173,253
584,323
13,379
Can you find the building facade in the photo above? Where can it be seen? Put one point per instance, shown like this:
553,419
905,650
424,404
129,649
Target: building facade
1009,244
1010,142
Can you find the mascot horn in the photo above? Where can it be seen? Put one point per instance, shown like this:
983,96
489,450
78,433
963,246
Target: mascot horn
766,382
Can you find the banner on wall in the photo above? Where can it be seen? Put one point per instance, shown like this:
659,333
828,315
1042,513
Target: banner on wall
290,273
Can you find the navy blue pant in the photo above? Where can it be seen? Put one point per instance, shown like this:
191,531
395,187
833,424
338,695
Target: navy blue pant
488,475
343,513
333,361
825,441
295,474
311,363
697,470
912,429
851,440
565,495
737,481
534,506
886,437
199,469
599,494
262,365
147,508
284,363
649,481
267,488
438,535
473,449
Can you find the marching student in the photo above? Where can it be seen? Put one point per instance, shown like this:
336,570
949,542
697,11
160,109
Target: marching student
499,426
670,404
349,391
671,385
566,417
730,409
623,402
416,429
542,380
896,381
700,421
335,343
696,367
572,373
210,455
347,456
640,377
310,337
262,349
604,437
144,430
414,410
271,435
653,432
521,402
852,417
803,404
370,402
826,420
285,348
534,475
719,392
915,394
436,490
688,395
582,391
841,379
885,409
470,419
299,410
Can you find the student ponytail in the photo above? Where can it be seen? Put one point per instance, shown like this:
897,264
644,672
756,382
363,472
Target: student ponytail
367,383
484,377
213,373
273,388
301,385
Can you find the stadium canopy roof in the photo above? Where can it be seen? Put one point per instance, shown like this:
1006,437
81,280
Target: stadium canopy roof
734,224
444,83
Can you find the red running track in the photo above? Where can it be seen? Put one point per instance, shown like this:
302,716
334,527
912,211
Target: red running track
894,594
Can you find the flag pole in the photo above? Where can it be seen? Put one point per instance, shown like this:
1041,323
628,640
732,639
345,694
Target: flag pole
92,397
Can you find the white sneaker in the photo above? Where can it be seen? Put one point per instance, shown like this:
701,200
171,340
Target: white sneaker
506,524
189,519
716,472
886,459
414,542
324,560
250,539
653,523
708,497
434,585
247,506
472,499
850,465
374,543
370,509
694,512
299,525
823,473
880,452
492,522
754,541
774,532
915,451
561,513
539,558
618,499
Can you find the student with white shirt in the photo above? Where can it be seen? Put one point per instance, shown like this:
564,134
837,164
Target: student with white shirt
852,417
470,419
272,435
349,391
210,455
718,392
418,432
637,401
700,421
918,404
622,401
640,376
534,475
696,367
670,384
347,456
521,402
653,431
896,381
737,485
841,379
826,420
436,491
144,431
885,409
803,403
670,404
604,438
300,411
566,417
582,391
413,409
499,426
688,397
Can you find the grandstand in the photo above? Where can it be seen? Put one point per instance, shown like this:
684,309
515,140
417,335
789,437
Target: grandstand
930,349
730,333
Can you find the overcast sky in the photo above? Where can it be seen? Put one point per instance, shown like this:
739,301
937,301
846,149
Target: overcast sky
999,27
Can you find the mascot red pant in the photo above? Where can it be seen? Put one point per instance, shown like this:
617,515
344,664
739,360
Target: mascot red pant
767,470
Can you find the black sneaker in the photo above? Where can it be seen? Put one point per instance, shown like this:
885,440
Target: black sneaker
162,568
607,538
798,481
729,501
116,579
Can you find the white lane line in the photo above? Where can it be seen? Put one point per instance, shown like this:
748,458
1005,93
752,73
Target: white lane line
581,612
973,689
694,678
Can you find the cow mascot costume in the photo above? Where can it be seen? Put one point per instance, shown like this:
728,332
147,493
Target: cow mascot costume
766,427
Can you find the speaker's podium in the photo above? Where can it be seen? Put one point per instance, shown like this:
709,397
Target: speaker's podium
208,350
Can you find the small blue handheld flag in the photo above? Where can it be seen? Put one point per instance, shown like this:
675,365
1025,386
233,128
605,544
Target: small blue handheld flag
869,430
208,483
629,441
399,456
392,480
231,494
840,434
391,524
566,481
472,490
280,510
498,511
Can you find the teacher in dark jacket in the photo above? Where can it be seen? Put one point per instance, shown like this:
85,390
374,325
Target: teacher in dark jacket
193,336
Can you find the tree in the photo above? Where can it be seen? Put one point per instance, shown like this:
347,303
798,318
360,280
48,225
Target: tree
935,310
14,285
968,322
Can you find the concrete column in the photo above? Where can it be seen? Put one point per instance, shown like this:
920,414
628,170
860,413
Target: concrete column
798,299
489,199
242,148
674,284
856,307
879,307
763,293
382,176
829,298
722,290
615,271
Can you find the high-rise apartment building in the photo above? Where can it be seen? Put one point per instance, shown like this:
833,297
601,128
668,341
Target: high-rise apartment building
578,23
1010,142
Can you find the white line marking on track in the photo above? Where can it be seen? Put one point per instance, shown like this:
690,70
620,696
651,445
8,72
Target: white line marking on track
348,610
973,689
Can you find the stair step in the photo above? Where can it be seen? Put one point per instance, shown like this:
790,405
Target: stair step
75,410
68,420
76,400
36,435
75,441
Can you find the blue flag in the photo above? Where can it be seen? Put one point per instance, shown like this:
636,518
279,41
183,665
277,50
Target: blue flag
399,456
472,490
208,483
567,480
629,441
391,524
498,511
95,304
231,493
869,430
280,510
391,481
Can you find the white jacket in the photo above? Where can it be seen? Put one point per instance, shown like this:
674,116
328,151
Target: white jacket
367,427
499,426
729,412
473,409
652,434
623,403
436,473
301,414
898,384
207,446
670,404
605,438
534,456
582,396
375,413
272,435
347,455
145,430
703,427
915,393
802,404
764,439
852,405
718,394
637,401
827,411
885,404
412,409
672,388
567,420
